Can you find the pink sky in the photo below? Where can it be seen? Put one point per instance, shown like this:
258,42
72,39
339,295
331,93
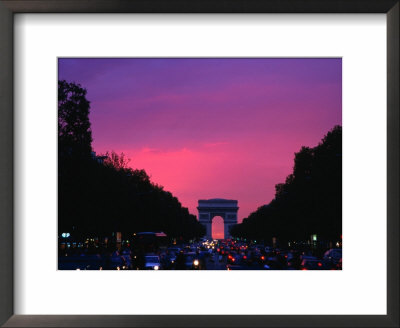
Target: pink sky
210,128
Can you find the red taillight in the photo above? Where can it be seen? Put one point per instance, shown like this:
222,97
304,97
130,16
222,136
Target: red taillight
319,264
245,257
304,269
233,260
218,249
285,256
262,258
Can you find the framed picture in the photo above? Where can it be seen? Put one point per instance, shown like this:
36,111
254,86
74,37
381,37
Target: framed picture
197,174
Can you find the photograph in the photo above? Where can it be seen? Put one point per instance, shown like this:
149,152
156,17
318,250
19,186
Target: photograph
179,141
199,163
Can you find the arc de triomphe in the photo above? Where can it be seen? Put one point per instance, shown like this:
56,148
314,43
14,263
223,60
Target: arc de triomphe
225,208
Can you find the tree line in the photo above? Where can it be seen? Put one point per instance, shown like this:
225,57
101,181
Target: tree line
308,202
98,195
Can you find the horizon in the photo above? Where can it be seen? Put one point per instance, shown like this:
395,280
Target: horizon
208,128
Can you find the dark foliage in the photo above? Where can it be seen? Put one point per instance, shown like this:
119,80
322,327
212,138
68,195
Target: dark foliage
99,195
310,200
74,134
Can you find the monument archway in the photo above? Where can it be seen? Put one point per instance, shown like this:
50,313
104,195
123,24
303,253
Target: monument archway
225,208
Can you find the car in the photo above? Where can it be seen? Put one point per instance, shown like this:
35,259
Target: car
259,247
333,255
311,263
171,257
233,258
204,254
339,265
276,262
174,250
87,262
152,262
268,249
191,261
293,262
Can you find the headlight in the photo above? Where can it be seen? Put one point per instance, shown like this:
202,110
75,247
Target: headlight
196,262
156,267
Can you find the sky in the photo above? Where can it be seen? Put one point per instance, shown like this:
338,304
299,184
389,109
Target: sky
210,127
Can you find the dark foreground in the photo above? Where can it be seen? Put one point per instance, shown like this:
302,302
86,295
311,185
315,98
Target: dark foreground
203,255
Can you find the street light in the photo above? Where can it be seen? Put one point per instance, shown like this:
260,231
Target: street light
65,235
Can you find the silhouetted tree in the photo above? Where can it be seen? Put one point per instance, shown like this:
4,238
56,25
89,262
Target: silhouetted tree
74,133
99,195
116,161
310,200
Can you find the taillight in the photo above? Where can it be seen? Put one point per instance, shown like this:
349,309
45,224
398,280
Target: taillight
319,264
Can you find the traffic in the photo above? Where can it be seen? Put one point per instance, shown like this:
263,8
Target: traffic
229,254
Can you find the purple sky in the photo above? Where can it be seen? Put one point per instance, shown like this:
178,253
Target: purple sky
210,128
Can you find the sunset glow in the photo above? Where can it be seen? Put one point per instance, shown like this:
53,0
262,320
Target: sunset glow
210,128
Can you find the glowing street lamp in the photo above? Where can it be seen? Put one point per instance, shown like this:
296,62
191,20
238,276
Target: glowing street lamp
65,235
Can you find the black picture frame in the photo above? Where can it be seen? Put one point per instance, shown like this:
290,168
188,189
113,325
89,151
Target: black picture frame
10,7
